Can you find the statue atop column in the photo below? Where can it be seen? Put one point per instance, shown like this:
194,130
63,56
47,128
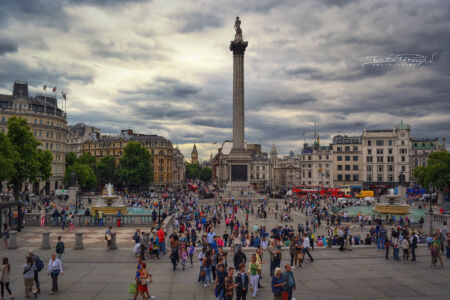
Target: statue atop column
237,27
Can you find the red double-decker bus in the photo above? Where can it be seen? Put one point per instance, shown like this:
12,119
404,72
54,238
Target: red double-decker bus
302,190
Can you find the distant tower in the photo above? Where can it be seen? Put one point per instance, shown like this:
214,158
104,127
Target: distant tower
194,155
273,155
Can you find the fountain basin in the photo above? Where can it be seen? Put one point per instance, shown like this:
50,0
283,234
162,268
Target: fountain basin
392,209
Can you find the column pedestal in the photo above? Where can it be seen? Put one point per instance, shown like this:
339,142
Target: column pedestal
45,241
12,243
78,241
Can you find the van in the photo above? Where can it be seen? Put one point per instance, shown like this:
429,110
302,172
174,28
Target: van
363,194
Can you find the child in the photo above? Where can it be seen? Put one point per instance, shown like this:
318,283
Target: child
434,255
183,257
191,252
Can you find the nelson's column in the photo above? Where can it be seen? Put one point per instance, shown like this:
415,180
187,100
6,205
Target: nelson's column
239,159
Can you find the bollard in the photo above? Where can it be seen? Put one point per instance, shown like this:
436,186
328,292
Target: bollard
78,241
12,240
45,241
113,241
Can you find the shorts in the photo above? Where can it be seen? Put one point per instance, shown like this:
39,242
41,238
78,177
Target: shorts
143,288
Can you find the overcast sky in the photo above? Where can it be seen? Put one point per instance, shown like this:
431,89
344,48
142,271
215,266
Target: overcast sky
164,67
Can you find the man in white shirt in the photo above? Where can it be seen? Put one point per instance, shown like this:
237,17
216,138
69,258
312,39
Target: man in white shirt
306,246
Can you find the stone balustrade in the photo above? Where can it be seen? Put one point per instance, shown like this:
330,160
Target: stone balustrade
434,221
80,220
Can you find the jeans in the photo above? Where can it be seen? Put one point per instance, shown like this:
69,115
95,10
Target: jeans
306,251
221,295
254,282
413,253
380,243
201,279
272,268
241,295
289,290
5,285
162,246
54,282
208,275
36,279
387,252
396,253
101,222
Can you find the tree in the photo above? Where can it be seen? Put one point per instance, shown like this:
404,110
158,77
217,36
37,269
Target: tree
88,159
7,157
206,174
30,163
192,171
135,166
85,175
436,172
71,158
106,170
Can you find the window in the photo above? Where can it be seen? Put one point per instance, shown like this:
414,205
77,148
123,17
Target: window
355,177
309,157
380,177
369,158
380,168
355,148
390,159
379,150
403,168
347,158
339,148
355,167
309,174
369,168
416,162
369,151
379,158
328,157
390,151
403,159
355,158
379,142
390,168
347,177
403,151
390,142
347,167
390,178
339,158
369,143
369,177
347,148
403,142
339,177
320,156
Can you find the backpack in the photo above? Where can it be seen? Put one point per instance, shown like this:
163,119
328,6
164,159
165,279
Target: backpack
414,241
39,264
60,247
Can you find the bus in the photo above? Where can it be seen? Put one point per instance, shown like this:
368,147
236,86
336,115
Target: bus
302,190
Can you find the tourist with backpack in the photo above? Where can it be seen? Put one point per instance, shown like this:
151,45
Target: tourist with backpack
28,272
59,249
38,266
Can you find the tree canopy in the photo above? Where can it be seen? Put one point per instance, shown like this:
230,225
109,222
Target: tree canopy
106,170
30,163
136,168
85,175
196,171
436,172
7,157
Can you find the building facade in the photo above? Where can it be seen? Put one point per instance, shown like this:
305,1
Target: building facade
78,134
161,150
347,162
316,165
48,124
178,168
386,155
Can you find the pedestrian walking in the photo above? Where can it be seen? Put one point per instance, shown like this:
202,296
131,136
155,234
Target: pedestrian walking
253,271
219,283
54,269
405,246
288,277
38,266
4,278
241,281
42,217
306,247
5,235
108,238
229,284
59,249
28,271
278,284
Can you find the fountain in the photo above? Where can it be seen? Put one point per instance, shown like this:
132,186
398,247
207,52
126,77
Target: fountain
392,204
109,203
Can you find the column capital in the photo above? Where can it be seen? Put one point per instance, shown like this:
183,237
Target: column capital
238,47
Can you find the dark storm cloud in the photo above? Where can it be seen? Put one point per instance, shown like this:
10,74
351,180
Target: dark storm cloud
340,3
44,72
212,122
7,45
164,88
196,21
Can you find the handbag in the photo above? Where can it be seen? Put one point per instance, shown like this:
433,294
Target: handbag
55,272
132,289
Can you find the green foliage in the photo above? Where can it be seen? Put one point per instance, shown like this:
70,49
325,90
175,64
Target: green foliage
437,171
192,171
88,159
206,174
195,171
106,170
85,175
71,158
135,166
30,164
7,157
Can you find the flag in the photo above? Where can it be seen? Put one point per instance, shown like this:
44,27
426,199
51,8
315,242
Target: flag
63,95
54,89
45,87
